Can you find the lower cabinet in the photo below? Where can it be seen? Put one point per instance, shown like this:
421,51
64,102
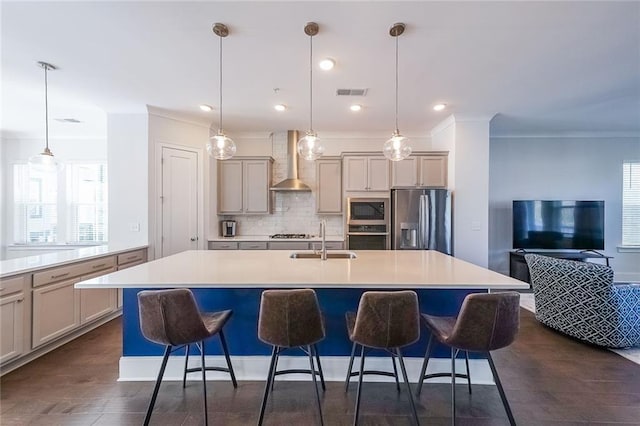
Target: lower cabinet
55,311
95,303
12,324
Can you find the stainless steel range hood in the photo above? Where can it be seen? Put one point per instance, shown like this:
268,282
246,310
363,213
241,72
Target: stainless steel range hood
291,183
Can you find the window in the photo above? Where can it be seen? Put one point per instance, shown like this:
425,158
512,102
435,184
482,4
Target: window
69,207
631,204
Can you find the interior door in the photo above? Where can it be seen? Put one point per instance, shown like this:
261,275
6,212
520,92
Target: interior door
179,201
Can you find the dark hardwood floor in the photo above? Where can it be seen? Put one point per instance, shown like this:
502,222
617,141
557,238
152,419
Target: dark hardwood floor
549,380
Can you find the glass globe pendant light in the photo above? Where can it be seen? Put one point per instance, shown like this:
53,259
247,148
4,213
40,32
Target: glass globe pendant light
397,147
45,161
309,146
221,146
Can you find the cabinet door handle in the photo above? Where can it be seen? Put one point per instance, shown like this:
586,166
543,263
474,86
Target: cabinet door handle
132,257
194,238
102,265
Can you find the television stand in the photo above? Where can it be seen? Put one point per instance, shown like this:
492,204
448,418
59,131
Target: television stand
519,270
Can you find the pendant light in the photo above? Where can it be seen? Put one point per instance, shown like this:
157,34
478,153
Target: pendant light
309,146
397,148
45,161
220,146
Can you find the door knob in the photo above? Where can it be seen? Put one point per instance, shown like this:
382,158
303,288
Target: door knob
194,238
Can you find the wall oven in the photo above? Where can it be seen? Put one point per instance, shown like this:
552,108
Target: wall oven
368,224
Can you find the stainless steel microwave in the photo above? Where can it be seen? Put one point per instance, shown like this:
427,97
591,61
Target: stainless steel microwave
367,211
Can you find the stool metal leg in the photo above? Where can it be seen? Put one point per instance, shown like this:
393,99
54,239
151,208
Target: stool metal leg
186,364
427,355
466,360
315,383
406,381
268,385
204,383
453,386
353,354
315,351
503,397
223,342
395,372
355,417
154,395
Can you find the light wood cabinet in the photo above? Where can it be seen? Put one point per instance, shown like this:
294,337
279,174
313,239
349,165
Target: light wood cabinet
95,303
128,260
329,181
428,170
366,173
243,186
56,311
12,318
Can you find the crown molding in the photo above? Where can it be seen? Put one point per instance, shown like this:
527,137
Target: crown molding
569,135
173,115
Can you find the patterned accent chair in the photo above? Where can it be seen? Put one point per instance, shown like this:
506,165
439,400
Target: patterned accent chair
580,299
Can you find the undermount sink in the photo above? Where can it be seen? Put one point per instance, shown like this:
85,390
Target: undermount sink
330,255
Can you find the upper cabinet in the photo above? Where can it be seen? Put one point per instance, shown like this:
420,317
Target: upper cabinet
243,185
366,173
427,170
329,181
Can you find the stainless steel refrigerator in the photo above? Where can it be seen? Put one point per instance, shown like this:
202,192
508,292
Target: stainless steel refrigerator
421,220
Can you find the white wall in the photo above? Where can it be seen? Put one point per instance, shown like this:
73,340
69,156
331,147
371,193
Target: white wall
560,168
467,140
16,151
128,147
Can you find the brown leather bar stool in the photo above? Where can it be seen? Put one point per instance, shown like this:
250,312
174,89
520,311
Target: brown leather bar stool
291,319
171,318
486,322
387,320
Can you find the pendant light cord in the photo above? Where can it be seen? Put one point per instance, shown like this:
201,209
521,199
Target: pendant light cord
46,108
220,91
396,37
311,83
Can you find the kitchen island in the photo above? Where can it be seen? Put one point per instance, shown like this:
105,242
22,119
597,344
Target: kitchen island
235,279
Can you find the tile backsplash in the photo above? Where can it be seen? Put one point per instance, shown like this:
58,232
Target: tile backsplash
293,212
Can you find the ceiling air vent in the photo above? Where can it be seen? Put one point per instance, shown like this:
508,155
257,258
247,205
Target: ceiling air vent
351,92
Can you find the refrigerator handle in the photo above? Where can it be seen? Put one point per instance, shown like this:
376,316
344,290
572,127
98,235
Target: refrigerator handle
420,224
423,222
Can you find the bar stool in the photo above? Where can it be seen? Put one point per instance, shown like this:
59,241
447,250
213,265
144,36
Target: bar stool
291,319
486,322
171,318
387,320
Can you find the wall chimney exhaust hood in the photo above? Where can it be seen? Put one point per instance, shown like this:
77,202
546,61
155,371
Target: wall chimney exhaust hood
291,183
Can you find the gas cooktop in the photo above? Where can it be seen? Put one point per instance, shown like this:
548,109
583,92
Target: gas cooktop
288,236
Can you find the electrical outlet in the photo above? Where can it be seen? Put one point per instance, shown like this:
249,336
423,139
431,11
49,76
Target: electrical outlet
134,227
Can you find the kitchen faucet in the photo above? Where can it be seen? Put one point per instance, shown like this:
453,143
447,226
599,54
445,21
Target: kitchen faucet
323,236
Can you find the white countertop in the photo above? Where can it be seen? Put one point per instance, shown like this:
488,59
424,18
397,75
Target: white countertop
275,269
23,265
266,238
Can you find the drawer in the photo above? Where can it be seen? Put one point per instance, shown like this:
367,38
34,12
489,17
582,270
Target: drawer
223,245
12,285
74,270
130,265
58,274
288,245
252,245
132,256
98,265
330,245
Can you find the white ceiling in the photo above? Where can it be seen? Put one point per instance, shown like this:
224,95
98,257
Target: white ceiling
542,67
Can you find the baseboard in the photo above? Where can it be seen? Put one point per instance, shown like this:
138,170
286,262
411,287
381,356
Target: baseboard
255,368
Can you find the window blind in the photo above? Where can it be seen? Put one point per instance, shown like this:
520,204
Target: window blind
631,204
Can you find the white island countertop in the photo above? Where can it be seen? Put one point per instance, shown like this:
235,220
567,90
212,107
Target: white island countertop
371,269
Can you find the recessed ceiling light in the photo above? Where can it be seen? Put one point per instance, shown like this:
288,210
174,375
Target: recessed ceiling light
206,107
439,107
327,64
355,107
280,107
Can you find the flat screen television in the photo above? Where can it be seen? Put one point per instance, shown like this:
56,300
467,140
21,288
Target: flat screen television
558,224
